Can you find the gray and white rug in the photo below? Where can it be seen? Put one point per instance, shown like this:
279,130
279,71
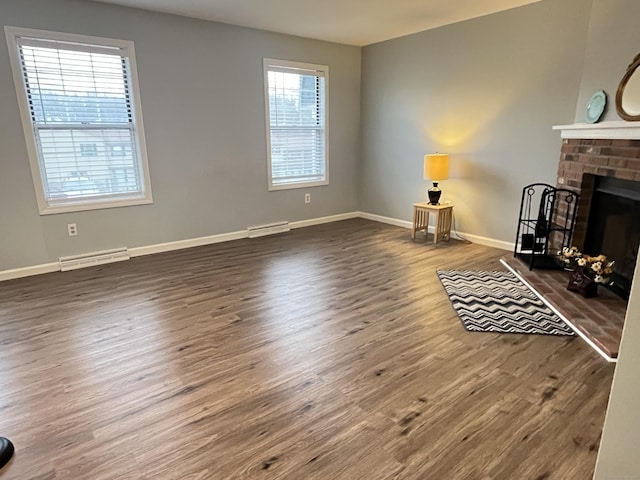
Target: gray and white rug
498,302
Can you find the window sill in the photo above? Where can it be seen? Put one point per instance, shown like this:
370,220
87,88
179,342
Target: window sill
80,206
291,186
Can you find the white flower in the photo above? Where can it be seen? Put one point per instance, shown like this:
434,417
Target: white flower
582,262
596,267
598,279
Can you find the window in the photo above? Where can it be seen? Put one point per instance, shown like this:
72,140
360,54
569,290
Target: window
296,107
81,113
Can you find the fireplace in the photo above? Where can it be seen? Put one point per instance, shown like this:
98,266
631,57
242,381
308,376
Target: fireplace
606,174
596,161
613,227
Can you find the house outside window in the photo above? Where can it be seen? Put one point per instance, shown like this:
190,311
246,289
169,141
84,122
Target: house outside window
79,99
118,150
88,150
296,116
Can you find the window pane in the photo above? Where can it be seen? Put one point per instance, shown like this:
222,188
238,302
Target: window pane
294,100
68,172
75,87
297,154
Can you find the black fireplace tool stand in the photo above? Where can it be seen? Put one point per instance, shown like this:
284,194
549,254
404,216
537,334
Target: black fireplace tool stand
545,224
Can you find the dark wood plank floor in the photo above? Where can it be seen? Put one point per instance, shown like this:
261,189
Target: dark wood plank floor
330,352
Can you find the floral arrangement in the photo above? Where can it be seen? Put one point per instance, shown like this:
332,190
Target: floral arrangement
597,268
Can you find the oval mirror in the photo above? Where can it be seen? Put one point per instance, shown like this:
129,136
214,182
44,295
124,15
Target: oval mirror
628,94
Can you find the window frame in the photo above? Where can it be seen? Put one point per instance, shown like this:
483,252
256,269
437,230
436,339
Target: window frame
55,205
288,64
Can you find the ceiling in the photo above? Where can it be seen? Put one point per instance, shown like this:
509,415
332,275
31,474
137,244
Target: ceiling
352,22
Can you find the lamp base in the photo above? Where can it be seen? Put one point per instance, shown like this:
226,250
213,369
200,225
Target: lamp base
434,194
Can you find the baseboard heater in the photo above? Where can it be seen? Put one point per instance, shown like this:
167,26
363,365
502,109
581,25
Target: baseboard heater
95,258
270,229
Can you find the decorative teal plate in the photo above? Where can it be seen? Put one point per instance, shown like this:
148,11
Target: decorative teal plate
595,107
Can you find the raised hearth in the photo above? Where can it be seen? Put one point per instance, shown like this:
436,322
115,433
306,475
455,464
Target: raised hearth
599,319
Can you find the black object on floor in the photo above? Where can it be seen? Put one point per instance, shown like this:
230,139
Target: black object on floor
6,451
545,224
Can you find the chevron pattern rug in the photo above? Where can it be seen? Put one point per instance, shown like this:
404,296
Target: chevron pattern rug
498,302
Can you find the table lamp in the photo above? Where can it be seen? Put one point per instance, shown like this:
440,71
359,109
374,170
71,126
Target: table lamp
436,168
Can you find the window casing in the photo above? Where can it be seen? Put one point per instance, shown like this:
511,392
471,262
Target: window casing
296,116
80,107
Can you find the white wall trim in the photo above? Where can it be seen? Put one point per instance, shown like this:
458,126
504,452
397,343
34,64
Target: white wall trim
605,130
29,271
486,241
320,220
389,220
187,243
226,237
176,245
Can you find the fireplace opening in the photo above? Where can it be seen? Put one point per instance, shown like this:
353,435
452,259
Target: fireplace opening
613,228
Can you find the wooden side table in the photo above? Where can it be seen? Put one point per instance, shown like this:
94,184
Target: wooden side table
442,225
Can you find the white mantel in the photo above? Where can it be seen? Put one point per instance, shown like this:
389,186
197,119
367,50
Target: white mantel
604,130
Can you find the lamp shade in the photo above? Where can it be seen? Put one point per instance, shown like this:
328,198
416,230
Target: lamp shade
436,166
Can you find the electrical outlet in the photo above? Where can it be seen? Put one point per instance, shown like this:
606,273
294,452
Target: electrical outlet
72,229
307,198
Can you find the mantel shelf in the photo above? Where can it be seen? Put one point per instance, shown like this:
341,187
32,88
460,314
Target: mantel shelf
605,130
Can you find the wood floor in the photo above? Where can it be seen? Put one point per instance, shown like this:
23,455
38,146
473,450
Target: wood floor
331,352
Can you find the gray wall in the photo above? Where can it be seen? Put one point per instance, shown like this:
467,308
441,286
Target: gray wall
487,91
203,105
614,40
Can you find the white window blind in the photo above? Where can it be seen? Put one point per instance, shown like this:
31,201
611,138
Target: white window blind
79,100
296,117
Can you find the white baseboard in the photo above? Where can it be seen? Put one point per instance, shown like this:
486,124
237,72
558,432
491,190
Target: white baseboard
29,271
321,220
225,237
487,242
389,220
188,243
176,245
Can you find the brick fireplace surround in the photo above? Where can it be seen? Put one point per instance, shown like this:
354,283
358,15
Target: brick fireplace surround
618,158
588,151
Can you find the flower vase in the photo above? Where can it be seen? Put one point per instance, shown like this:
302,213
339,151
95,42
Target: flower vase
581,283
